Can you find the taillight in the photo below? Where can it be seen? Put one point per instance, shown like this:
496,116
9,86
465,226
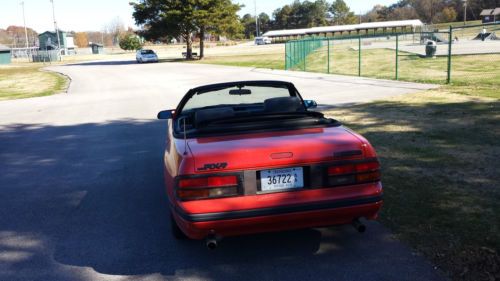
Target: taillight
354,173
207,187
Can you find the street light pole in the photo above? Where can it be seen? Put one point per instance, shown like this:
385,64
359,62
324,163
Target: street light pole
55,26
26,33
256,19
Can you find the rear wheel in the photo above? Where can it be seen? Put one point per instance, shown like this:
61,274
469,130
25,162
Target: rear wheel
176,231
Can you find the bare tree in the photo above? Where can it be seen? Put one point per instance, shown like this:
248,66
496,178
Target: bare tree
115,28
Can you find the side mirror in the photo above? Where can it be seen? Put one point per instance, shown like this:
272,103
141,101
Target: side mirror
165,114
310,104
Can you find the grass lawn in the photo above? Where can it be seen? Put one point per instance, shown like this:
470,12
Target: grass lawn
446,25
273,61
26,81
440,157
474,74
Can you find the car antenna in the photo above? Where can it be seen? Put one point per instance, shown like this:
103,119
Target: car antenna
185,139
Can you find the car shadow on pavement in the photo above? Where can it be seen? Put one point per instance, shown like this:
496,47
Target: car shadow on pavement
104,63
92,195
95,192
121,62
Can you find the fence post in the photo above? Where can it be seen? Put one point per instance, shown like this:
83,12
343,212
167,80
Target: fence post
359,54
304,53
397,55
450,36
293,59
286,57
328,42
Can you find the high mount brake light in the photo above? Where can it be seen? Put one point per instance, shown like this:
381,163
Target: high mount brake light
354,173
207,187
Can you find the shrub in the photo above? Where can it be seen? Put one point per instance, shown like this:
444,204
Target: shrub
130,42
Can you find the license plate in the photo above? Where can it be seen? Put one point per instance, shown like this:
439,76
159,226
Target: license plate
277,179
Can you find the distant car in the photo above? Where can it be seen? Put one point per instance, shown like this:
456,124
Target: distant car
247,157
262,40
146,56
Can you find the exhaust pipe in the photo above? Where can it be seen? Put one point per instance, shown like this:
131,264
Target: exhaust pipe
359,226
211,242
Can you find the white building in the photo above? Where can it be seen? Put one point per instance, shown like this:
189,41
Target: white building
363,28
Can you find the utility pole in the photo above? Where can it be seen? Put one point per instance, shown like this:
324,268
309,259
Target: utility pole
465,12
55,26
256,19
26,33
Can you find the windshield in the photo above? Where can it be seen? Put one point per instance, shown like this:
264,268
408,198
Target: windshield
147,52
245,95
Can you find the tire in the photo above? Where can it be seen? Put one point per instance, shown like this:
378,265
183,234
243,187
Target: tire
176,231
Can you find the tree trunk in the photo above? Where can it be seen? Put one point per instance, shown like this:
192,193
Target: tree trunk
189,46
189,54
202,42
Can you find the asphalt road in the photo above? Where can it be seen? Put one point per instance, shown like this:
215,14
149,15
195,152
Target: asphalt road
81,195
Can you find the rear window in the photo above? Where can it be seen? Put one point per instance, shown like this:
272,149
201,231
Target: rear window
253,95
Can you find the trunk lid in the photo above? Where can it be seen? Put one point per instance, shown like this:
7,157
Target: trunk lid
272,149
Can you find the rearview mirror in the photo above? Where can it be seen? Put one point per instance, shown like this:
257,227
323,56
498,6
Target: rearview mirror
310,104
165,114
240,92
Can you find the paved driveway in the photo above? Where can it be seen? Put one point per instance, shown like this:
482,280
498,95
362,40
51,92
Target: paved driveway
81,194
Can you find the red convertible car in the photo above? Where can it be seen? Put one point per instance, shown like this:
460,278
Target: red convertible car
248,157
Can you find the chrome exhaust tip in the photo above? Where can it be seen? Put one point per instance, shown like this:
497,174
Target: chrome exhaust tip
211,242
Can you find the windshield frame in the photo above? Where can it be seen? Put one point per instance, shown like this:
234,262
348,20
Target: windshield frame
220,86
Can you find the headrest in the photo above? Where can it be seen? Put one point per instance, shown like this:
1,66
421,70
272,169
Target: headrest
283,104
204,116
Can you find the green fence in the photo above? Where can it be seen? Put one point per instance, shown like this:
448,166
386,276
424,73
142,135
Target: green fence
475,58
297,53
460,55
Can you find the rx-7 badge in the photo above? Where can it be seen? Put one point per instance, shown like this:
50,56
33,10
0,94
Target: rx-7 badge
213,166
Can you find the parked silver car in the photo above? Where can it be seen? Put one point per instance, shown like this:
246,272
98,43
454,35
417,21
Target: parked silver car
146,56
262,40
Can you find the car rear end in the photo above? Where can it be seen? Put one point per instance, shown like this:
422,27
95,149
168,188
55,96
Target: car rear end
259,41
148,56
275,181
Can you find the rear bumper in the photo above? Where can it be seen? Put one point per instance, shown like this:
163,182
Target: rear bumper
198,226
149,59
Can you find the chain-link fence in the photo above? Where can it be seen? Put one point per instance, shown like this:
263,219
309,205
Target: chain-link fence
46,56
458,55
475,57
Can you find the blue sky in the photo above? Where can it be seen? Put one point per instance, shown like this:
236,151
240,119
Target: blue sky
94,14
